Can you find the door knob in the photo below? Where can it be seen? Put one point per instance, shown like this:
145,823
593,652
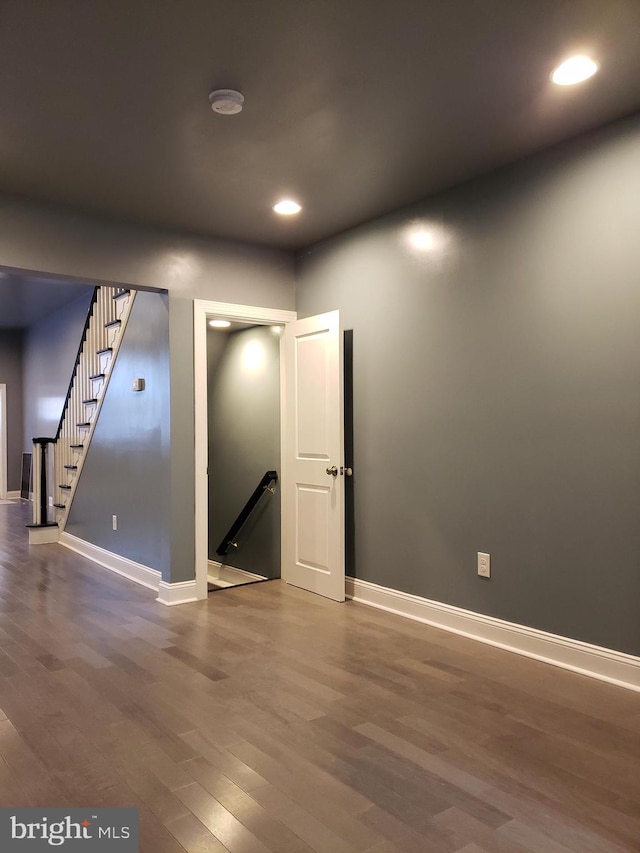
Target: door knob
348,472
333,471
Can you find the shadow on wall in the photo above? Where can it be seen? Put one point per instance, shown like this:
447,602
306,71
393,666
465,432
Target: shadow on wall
349,460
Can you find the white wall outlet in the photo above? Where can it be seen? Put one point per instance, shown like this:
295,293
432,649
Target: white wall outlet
484,565
114,522
50,501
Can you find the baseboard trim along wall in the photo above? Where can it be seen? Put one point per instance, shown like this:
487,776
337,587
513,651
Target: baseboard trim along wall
12,496
114,562
594,661
183,592
230,573
47,535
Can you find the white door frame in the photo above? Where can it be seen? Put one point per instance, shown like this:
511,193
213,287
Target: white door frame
3,441
240,313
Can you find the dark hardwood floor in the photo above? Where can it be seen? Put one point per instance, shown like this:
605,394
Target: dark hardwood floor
269,719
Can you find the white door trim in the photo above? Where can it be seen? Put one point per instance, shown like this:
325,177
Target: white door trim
202,309
3,442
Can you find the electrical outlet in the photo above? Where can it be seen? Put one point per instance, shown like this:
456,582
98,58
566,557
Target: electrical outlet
484,565
114,522
50,501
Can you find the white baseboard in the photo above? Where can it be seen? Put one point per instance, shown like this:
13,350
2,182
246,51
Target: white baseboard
13,496
231,574
596,662
44,535
182,592
114,562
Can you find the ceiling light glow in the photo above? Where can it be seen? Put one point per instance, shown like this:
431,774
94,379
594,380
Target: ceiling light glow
422,238
287,207
219,324
253,357
574,70
427,237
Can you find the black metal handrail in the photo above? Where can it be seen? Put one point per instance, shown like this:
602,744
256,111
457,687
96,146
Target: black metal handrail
94,299
245,512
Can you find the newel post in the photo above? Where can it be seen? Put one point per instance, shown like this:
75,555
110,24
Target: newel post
41,531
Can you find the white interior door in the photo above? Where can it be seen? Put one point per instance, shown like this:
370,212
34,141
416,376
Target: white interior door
313,456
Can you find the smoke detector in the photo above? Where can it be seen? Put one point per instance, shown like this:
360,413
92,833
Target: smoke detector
227,102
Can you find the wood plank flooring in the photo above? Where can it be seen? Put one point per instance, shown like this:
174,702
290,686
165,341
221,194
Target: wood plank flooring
269,719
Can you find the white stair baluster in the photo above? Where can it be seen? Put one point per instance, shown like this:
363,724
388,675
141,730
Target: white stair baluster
111,303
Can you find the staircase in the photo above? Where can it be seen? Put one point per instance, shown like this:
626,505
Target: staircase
104,329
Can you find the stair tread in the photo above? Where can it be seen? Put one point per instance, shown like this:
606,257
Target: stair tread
71,467
90,401
122,294
98,376
85,424
76,446
60,506
104,351
113,324
65,487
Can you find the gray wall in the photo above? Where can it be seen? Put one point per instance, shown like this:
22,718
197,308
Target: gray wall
11,376
50,351
126,472
244,443
496,395
47,238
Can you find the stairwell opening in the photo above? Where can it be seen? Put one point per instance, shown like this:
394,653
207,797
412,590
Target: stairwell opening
243,437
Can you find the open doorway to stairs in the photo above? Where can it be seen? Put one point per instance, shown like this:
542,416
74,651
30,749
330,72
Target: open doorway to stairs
237,447
243,420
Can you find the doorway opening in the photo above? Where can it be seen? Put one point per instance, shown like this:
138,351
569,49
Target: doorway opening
250,322
243,425
312,445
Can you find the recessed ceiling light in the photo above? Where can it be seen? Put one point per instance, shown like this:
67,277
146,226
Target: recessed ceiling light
287,207
219,324
574,70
